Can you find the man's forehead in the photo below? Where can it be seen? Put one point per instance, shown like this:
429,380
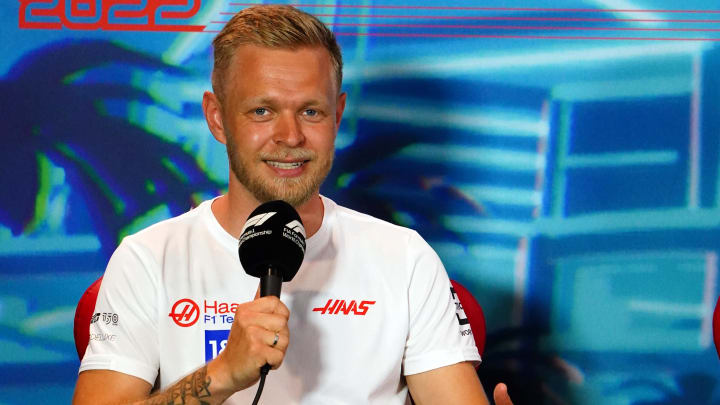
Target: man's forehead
265,57
252,53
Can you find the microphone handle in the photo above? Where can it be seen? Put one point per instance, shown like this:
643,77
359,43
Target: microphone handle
270,284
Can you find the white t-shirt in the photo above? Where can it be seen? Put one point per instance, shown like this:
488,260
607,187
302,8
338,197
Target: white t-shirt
370,303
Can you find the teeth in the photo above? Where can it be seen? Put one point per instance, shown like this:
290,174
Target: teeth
282,165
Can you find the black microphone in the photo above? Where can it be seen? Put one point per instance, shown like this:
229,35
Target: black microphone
272,247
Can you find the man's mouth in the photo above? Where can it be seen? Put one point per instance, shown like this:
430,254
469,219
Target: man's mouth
285,165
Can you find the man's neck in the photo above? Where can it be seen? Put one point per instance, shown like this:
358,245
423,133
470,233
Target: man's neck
232,210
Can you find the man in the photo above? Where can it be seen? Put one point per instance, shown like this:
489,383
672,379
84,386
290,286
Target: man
372,313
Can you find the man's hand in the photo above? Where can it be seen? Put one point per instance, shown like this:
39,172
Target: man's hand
501,396
259,336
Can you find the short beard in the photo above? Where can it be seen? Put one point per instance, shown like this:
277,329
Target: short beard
294,191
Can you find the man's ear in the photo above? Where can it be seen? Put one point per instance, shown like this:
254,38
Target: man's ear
213,116
340,108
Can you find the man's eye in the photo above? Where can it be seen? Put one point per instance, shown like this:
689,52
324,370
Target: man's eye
311,113
260,111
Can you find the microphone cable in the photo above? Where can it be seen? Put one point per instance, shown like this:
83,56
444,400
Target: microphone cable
263,373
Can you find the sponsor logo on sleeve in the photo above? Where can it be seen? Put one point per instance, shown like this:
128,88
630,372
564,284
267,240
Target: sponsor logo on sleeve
103,337
108,318
460,314
343,307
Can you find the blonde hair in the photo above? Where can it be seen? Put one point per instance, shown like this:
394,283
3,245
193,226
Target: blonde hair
271,26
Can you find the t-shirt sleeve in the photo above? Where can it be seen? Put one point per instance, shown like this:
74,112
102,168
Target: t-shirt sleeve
435,336
123,329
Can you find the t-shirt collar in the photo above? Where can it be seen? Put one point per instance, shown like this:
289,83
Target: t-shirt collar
231,243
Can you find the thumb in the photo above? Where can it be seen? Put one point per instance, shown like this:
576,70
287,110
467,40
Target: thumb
501,396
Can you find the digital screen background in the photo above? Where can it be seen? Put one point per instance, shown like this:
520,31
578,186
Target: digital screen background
561,157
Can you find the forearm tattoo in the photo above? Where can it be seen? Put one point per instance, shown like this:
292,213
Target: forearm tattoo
190,390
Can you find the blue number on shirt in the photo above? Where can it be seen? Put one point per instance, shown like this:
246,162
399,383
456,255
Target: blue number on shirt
215,341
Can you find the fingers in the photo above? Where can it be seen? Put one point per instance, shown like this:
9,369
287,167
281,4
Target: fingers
250,342
267,313
274,357
270,322
278,346
264,319
275,340
269,304
501,396
262,345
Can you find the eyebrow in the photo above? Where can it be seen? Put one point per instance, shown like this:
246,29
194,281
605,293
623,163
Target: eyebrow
261,100
273,100
313,102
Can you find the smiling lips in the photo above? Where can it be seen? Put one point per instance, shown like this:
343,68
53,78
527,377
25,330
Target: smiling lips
285,165
289,162
287,169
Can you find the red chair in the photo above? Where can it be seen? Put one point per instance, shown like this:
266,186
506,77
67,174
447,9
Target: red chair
474,314
83,314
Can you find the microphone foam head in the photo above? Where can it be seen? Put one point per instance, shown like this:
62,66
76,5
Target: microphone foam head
273,236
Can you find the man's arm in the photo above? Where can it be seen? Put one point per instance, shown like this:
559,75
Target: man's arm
454,384
251,344
98,386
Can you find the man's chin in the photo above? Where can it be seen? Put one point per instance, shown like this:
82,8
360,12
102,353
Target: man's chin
295,198
296,191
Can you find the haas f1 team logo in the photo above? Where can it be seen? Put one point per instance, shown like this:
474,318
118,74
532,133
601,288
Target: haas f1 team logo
185,312
335,307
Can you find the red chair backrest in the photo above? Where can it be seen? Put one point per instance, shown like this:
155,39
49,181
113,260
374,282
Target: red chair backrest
474,313
83,313
716,326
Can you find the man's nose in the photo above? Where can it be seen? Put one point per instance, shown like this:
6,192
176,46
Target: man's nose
289,131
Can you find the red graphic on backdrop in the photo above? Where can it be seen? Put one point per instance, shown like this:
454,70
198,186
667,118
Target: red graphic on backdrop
109,15
185,312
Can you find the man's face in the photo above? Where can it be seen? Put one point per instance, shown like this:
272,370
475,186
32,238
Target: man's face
280,116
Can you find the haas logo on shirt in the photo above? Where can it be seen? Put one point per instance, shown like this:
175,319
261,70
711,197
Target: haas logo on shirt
185,312
335,307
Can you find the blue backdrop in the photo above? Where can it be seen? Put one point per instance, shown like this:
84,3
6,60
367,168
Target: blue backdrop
561,156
